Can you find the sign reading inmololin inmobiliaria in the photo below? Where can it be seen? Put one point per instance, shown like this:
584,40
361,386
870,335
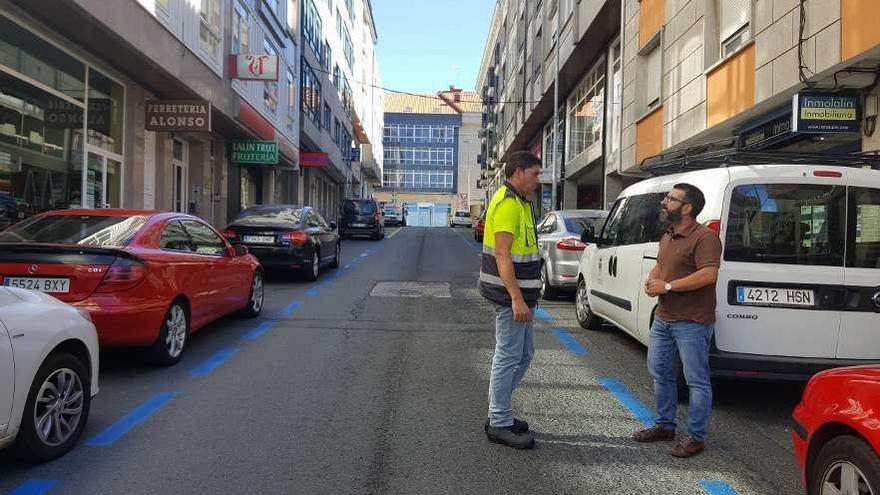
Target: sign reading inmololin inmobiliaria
825,112
177,116
256,152
256,67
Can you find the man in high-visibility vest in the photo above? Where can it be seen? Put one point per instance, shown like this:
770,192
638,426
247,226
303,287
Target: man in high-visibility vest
510,277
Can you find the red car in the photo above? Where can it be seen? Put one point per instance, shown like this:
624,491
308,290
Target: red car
480,227
147,279
836,432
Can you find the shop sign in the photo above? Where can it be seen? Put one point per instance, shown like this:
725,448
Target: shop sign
765,132
354,155
823,112
256,67
313,159
255,152
177,116
65,115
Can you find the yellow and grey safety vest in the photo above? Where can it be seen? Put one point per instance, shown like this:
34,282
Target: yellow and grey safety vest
524,250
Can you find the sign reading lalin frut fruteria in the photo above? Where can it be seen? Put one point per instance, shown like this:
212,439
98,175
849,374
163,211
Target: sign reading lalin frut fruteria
255,152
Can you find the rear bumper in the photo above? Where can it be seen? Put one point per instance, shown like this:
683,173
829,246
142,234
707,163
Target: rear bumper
128,323
366,231
800,441
781,368
564,274
279,257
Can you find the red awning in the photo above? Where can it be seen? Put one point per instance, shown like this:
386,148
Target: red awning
314,159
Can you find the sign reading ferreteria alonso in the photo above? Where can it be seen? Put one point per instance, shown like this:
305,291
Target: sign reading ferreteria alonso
255,152
820,112
178,116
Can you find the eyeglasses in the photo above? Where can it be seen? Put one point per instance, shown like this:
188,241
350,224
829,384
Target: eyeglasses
670,197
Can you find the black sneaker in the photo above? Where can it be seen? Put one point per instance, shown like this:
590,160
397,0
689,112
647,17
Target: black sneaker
506,436
517,426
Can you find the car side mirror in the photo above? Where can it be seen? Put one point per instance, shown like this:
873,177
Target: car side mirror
333,225
240,250
588,235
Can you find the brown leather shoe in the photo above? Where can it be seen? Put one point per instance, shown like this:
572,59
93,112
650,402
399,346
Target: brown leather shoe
688,447
656,433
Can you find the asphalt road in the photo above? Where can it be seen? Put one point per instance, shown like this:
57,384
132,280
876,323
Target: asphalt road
374,380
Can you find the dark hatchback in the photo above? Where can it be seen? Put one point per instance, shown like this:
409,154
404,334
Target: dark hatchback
361,217
287,236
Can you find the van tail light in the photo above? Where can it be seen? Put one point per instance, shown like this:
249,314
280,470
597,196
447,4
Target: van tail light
714,226
229,234
123,274
571,244
297,237
376,215
827,173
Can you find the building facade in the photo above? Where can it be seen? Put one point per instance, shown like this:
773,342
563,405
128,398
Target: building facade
637,79
431,147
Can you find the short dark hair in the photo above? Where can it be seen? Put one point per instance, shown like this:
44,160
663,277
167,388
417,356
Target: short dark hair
692,196
520,160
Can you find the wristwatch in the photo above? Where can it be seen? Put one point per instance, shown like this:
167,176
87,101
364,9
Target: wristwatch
668,286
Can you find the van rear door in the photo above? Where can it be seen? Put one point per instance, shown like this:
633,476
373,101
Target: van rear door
859,325
782,267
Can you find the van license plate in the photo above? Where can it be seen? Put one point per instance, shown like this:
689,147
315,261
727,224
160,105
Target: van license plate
50,285
769,296
358,225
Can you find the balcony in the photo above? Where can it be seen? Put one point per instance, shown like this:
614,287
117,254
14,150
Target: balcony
370,170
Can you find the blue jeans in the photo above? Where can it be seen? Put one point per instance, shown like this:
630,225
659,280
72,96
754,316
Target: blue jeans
514,349
689,341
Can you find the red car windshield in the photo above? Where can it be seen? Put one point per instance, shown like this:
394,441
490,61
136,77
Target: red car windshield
84,230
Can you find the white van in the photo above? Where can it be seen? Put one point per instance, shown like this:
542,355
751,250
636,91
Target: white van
799,285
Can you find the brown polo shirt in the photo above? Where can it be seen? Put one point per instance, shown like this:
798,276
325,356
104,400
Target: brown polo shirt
681,254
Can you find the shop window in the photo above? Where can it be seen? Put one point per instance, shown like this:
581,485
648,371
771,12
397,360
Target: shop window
106,103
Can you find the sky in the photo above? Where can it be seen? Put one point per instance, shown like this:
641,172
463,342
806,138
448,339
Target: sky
426,45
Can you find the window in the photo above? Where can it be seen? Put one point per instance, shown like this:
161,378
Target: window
204,239
273,6
651,74
347,47
796,224
863,251
416,133
338,22
586,112
175,238
311,27
614,112
640,220
328,115
347,98
291,98
210,35
733,24
239,28
337,131
310,94
292,16
349,4
336,77
550,144
82,230
270,88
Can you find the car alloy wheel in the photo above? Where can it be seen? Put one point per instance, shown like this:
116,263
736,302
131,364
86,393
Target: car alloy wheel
316,265
175,337
257,293
844,477
59,407
548,291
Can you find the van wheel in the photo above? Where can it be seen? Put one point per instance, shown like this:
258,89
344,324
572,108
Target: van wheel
550,292
585,316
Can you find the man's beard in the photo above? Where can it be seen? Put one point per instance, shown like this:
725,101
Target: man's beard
673,216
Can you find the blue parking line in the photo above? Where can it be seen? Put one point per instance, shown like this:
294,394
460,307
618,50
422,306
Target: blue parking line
347,267
569,341
714,487
364,255
264,327
312,292
290,308
118,429
34,487
542,314
213,362
629,401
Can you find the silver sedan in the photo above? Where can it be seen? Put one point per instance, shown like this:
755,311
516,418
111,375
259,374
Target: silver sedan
559,234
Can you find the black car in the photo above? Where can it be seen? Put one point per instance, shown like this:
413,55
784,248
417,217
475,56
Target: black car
361,217
287,236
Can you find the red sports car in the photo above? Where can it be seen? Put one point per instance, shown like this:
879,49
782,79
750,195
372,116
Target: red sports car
480,227
148,279
836,432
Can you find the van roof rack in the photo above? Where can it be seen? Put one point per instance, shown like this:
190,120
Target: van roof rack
727,153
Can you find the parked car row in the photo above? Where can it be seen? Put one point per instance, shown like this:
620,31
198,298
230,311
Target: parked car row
72,281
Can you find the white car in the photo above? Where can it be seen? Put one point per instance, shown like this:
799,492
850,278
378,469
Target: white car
461,218
798,289
48,373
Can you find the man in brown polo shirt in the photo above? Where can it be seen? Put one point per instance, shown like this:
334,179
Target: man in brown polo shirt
684,280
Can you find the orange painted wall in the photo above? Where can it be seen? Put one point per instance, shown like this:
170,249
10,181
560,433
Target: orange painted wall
730,87
858,29
652,15
649,135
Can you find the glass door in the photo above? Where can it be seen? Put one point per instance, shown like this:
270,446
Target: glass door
179,175
103,181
